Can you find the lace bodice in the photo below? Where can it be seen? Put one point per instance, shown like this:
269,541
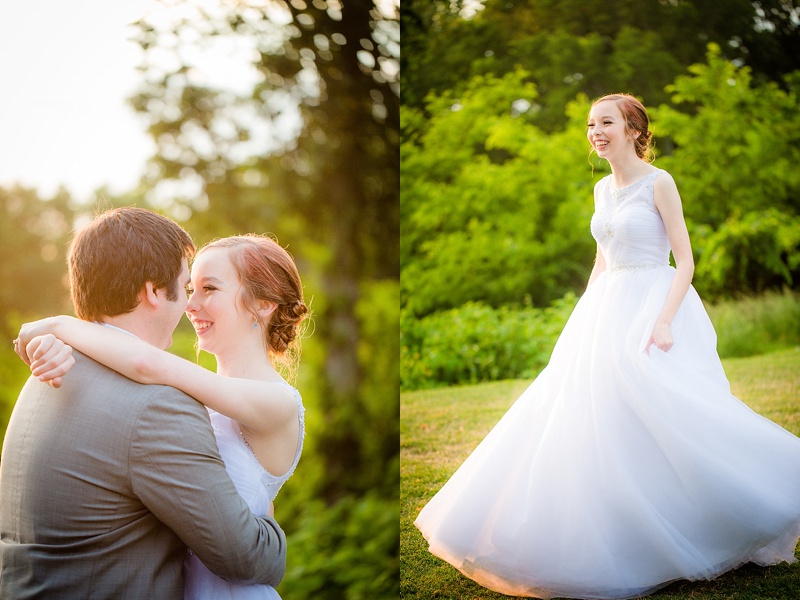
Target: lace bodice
628,227
254,483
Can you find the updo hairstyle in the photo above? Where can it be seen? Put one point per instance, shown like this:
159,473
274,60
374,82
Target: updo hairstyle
268,274
636,120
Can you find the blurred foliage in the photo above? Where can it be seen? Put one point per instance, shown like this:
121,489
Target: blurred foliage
347,550
304,147
33,238
757,324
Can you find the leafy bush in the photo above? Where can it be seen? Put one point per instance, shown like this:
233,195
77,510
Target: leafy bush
347,551
476,342
739,183
750,253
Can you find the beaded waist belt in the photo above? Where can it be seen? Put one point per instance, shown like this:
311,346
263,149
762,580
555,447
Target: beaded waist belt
635,267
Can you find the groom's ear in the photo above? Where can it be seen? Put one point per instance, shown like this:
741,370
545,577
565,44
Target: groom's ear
149,295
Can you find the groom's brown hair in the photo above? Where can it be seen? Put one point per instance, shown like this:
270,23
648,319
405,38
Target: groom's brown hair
112,258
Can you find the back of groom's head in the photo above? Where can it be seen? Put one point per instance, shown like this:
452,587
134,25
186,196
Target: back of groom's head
112,258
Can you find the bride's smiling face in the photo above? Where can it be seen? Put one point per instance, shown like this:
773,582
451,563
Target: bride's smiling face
214,305
607,130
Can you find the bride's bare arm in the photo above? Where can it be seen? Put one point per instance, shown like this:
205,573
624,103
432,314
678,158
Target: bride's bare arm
258,405
668,202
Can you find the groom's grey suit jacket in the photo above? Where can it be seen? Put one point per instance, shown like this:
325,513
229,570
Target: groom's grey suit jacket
105,482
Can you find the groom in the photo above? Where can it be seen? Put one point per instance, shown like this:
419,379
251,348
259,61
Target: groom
105,482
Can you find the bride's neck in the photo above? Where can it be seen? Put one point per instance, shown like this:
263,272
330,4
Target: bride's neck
628,170
246,366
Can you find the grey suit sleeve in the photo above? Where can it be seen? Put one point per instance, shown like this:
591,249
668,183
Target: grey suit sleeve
176,471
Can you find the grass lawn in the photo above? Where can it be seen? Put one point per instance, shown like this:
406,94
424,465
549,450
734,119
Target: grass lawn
439,428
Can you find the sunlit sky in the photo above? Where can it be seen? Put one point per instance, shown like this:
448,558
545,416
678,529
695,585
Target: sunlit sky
65,71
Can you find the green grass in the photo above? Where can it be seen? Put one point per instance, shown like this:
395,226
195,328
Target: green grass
440,427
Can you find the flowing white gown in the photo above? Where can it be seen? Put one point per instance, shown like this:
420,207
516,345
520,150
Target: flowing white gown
258,487
619,470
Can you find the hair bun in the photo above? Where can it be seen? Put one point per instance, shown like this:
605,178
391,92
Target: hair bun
298,310
284,325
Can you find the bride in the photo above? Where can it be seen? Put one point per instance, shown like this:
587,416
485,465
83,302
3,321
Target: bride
627,464
246,304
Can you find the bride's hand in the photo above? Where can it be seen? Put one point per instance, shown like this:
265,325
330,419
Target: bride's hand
50,359
661,337
27,332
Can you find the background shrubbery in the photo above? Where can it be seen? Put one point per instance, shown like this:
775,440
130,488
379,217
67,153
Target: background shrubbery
476,343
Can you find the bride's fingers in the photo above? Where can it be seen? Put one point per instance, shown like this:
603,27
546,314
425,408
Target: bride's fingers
55,382
19,348
40,346
57,372
44,352
664,346
26,351
53,364
49,348
60,363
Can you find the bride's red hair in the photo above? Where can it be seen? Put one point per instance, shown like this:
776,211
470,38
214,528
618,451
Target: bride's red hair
636,120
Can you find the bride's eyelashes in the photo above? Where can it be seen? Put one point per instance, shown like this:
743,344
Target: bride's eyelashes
206,288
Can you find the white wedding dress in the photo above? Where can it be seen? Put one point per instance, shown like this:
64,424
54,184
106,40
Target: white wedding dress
619,470
258,488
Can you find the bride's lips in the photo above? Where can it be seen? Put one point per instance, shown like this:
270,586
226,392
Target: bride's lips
202,327
600,144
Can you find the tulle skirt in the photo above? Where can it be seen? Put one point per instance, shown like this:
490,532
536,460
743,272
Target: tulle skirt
620,470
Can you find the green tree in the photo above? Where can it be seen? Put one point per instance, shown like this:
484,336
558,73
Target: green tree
591,46
492,206
735,150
